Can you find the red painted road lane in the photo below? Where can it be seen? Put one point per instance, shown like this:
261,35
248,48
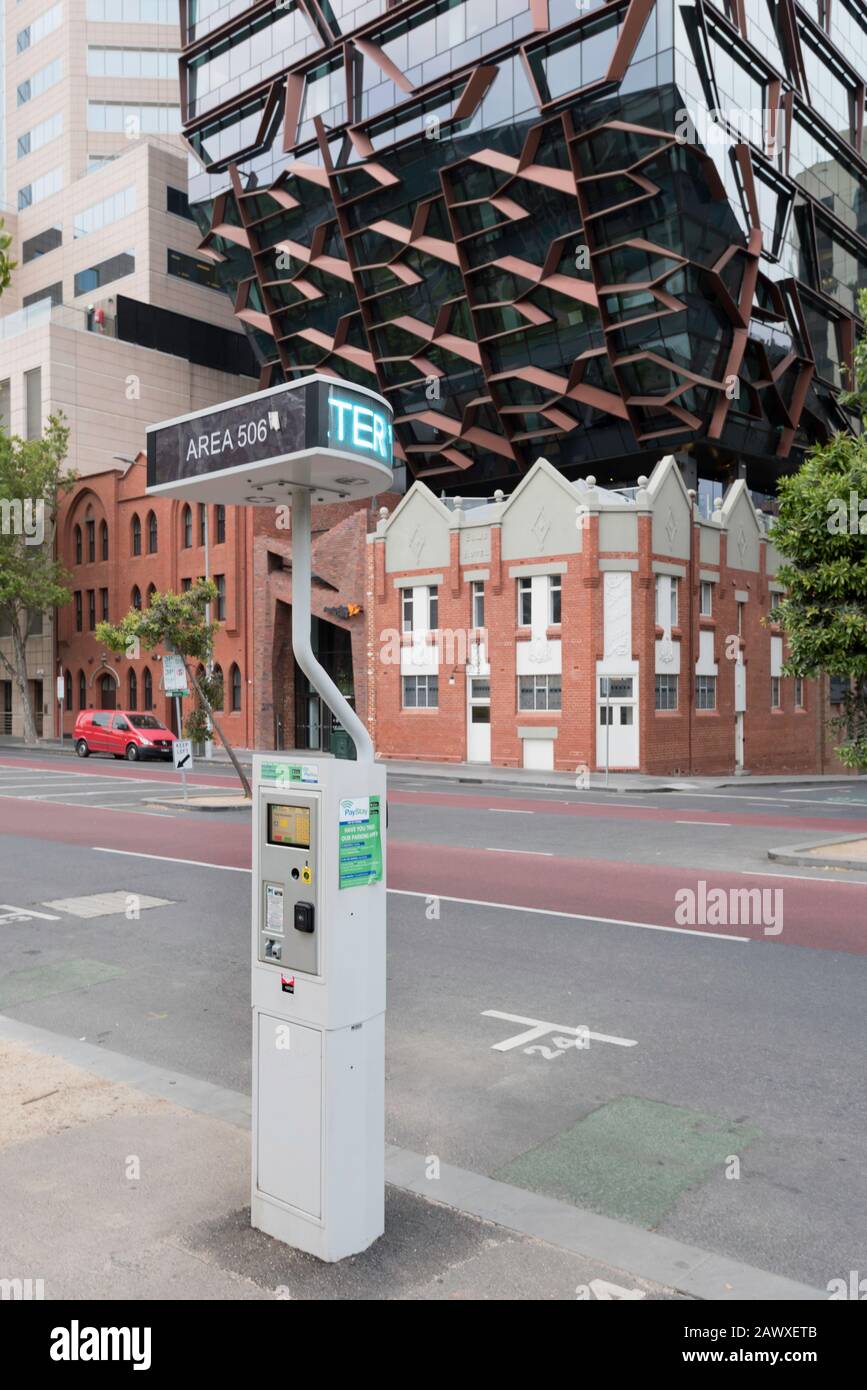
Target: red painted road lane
166,837
459,801
817,913
107,767
828,916
596,811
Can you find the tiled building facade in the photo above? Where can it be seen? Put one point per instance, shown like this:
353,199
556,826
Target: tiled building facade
573,627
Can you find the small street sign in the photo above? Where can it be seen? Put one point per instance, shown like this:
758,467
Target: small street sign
174,676
182,751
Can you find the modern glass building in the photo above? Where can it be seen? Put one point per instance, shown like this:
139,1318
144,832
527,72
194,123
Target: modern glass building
595,232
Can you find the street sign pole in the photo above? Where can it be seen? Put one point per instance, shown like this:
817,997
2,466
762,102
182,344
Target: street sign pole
179,718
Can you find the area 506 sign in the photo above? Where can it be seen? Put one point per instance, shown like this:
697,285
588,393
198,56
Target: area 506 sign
326,435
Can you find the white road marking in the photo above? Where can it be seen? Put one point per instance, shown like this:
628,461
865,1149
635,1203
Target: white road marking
811,878
499,849
506,811
106,904
606,1292
721,824
28,912
447,898
96,791
537,1028
167,859
570,916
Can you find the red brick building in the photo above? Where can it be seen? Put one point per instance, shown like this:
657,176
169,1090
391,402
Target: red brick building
119,546
569,626
563,626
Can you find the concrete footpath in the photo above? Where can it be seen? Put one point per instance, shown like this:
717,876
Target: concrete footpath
120,1180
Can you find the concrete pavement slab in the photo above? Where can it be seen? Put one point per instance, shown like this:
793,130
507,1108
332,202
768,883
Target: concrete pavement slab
134,1196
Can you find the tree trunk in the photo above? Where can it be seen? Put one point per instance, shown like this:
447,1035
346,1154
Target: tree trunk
248,791
19,654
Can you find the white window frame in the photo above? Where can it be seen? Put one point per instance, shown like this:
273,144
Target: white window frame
666,676
706,599
525,593
477,604
709,688
669,582
555,586
541,702
420,683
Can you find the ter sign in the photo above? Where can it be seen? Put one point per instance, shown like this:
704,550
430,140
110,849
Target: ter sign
319,433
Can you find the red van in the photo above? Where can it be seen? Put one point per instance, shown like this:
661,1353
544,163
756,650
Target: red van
123,733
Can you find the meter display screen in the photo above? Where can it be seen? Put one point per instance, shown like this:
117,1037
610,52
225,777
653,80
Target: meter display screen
289,826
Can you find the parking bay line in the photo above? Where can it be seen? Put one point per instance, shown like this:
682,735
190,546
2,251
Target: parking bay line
717,824
447,898
538,1029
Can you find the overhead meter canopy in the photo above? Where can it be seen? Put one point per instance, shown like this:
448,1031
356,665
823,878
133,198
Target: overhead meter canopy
319,433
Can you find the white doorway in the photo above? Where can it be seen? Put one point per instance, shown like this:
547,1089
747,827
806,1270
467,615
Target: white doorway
616,722
478,719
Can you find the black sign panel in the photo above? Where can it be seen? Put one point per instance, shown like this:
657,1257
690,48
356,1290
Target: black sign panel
268,426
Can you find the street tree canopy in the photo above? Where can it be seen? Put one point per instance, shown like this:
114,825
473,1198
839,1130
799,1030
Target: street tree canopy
178,622
33,477
822,533
6,265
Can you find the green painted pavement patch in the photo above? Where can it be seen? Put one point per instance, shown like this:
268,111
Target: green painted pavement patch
631,1159
42,980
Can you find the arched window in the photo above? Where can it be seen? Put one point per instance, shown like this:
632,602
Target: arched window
136,534
147,689
82,690
152,588
132,684
136,598
153,533
103,540
78,545
67,688
235,681
187,527
219,696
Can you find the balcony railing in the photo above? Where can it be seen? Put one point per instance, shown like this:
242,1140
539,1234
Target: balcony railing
65,315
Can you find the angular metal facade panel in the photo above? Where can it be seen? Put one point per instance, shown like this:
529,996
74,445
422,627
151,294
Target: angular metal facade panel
598,238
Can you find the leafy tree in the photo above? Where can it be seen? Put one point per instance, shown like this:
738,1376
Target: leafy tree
179,623
32,581
6,266
856,396
822,533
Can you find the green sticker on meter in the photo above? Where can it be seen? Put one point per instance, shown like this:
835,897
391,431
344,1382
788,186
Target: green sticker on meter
360,842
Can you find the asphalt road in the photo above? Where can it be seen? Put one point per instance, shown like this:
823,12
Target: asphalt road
720,1098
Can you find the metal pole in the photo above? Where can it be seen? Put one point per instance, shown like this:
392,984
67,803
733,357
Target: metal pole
607,723
209,742
180,735
317,676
